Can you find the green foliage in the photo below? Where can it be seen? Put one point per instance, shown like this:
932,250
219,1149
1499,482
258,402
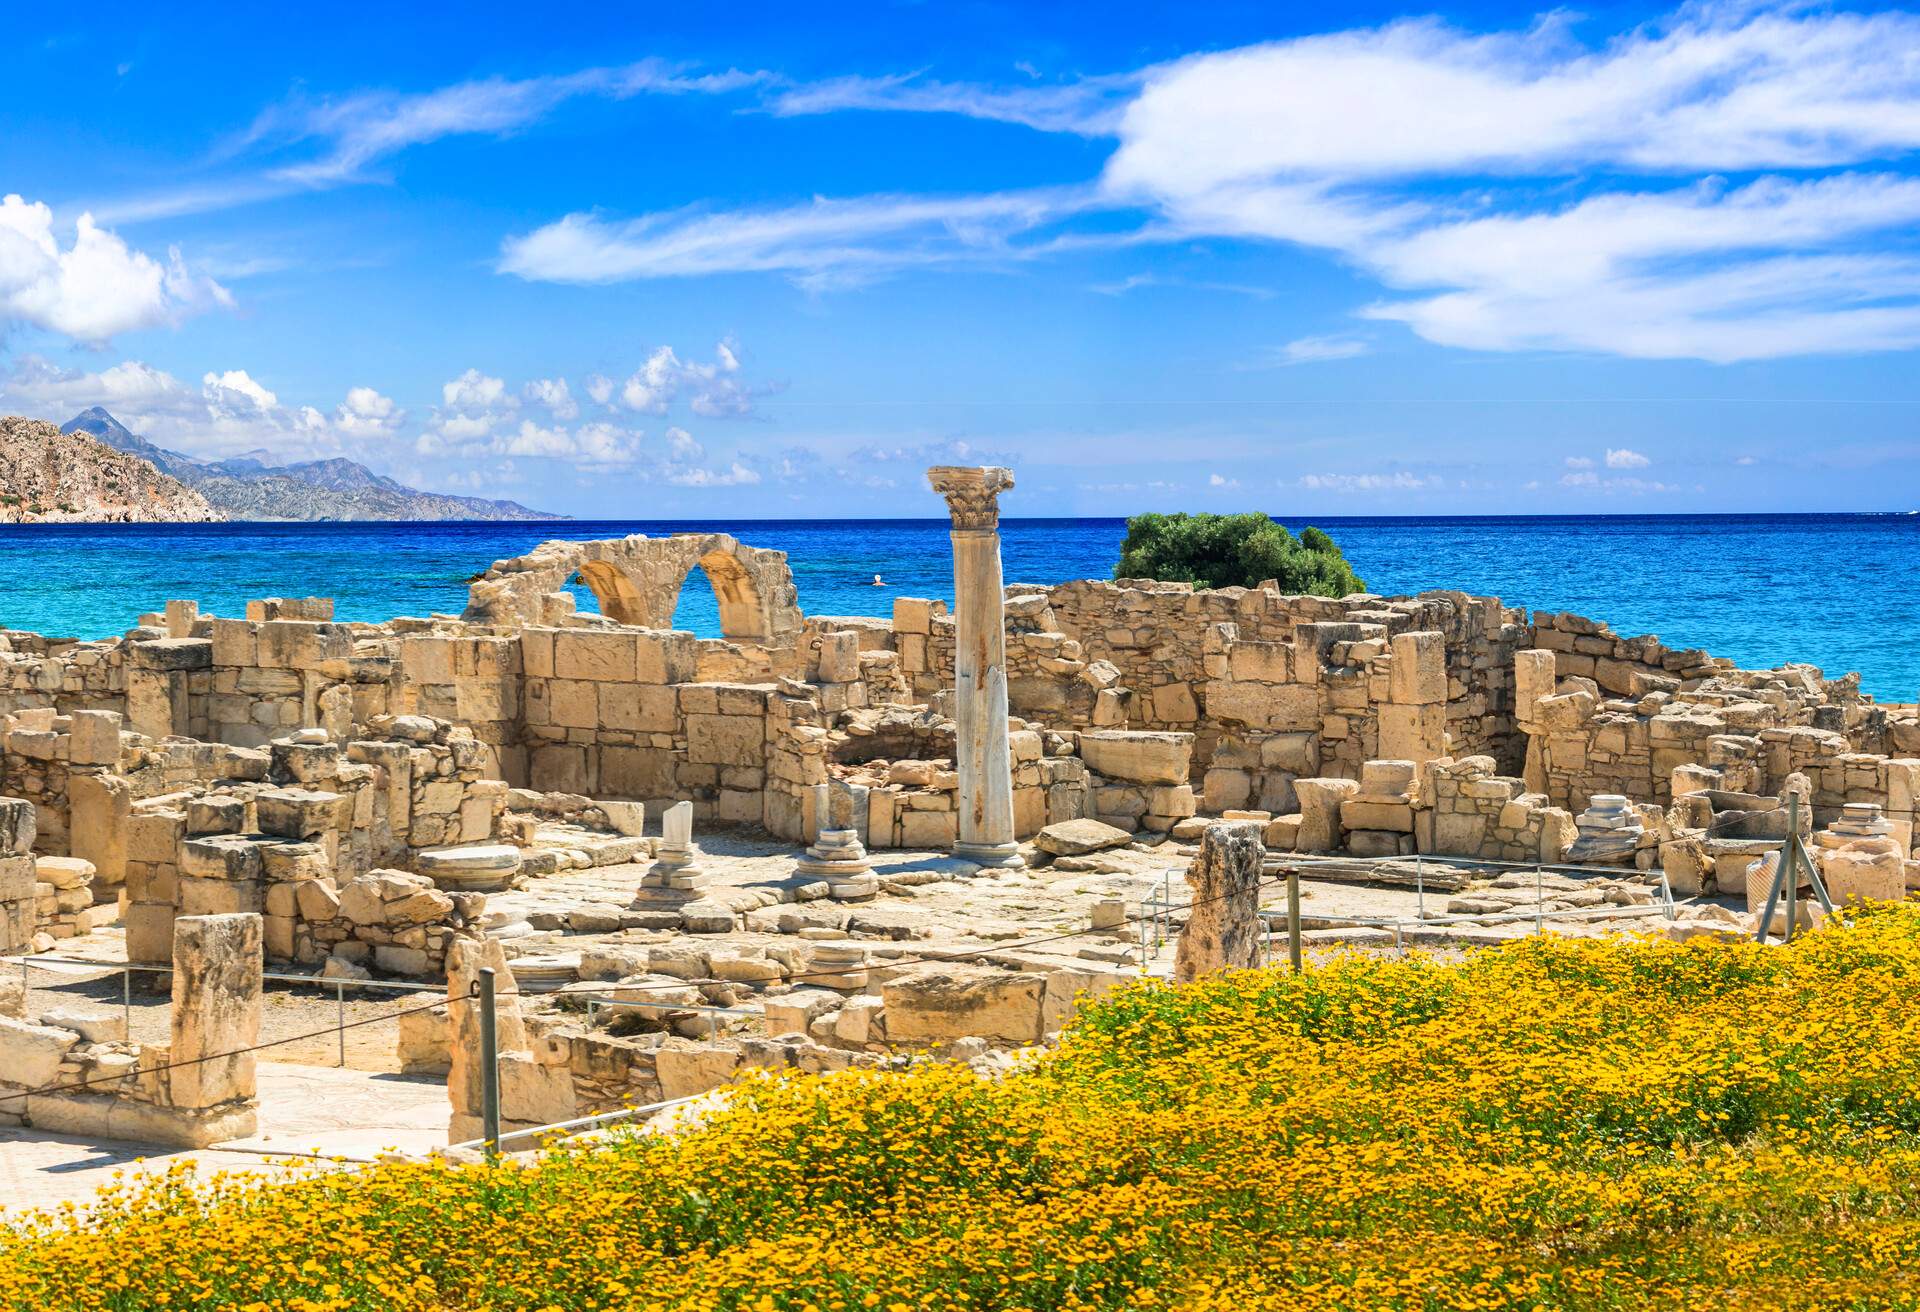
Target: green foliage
1224,551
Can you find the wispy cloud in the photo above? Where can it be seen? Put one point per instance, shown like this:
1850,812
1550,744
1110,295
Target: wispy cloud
1378,144
1318,350
1435,161
1398,481
819,245
1086,107
310,143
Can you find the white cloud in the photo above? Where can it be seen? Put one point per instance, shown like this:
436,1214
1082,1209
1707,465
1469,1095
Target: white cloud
682,445
1088,107
1317,350
821,245
1399,481
231,411
96,286
1580,478
555,395
533,440
713,390
1579,462
130,385
1379,144
1622,458
361,129
1511,191
475,391
735,475
653,384
365,413
1221,480
235,391
600,388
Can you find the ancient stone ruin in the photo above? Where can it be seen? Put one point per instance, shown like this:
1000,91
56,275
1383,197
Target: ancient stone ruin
829,841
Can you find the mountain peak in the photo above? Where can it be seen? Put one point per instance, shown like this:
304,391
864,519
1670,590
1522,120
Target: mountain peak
256,485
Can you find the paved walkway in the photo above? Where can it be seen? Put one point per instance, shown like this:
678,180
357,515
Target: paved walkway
310,1113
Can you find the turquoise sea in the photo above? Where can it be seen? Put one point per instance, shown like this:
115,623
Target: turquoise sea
1837,590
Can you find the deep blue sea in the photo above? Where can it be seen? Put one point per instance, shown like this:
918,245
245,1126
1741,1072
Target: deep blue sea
1837,590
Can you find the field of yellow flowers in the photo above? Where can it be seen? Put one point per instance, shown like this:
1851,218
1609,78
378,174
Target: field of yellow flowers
1559,1124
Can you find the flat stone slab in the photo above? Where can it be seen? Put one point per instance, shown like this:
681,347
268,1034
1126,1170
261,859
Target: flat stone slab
1078,837
479,856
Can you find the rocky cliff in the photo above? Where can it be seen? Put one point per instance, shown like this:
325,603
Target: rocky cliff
253,487
50,477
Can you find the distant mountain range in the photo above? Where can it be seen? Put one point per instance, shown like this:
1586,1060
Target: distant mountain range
253,486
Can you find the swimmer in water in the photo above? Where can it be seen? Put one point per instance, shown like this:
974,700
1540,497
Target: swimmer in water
879,582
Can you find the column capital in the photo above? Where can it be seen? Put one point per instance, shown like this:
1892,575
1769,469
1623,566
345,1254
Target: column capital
972,492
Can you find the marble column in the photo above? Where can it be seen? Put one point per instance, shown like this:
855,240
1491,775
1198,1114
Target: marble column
980,664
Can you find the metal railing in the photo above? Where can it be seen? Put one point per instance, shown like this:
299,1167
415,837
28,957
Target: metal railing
127,969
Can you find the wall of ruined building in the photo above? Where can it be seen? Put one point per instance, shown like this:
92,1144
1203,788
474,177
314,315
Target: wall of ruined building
1470,810
66,675
303,833
1754,730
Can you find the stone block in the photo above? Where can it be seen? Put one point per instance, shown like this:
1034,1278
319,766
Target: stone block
30,1055
302,813
1394,816
689,1069
1136,756
216,1008
95,738
1418,673
1289,707
599,656
726,740
955,1002
1320,804
928,830
1078,837
916,614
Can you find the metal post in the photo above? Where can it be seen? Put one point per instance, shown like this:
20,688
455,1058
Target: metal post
1790,857
1666,894
126,1001
489,1064
1293,919
340,1017
1420,884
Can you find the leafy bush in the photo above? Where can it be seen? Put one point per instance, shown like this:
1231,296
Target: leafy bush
1558,1124
1225,551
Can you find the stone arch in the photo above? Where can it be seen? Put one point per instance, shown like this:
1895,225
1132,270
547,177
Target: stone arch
620,601
637,581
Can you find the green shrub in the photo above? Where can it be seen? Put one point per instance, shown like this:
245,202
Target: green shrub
1224,551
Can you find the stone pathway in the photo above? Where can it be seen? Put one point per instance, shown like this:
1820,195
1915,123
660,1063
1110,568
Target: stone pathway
308,1114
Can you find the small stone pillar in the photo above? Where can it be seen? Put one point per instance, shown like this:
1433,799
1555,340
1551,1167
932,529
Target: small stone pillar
217,968
674,874
465,958
1223,918
1609,832
837,855
985,760
18,823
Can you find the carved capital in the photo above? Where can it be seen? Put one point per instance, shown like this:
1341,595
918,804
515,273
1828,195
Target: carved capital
972,492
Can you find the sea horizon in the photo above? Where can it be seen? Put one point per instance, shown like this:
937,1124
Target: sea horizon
1735,585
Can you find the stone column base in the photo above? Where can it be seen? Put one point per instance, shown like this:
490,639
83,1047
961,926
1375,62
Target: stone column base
994,856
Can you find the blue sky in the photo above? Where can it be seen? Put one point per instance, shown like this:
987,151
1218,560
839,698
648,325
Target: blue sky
760,261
